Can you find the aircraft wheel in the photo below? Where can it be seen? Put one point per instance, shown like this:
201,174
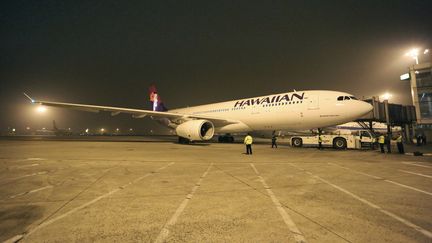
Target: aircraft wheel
225,139
297,142
339,143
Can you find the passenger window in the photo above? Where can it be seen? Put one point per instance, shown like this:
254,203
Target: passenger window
340,98
346,98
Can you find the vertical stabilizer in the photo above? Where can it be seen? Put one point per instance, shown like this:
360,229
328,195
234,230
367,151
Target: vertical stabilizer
156,103
54,126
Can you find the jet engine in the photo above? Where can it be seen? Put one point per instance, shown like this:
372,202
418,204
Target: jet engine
196,130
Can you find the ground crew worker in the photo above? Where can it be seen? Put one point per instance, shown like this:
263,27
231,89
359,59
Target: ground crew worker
274,141
320,142
400,144
381,141
248,141
388,142
419,140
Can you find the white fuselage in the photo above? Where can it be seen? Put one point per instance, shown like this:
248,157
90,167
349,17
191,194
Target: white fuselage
290,111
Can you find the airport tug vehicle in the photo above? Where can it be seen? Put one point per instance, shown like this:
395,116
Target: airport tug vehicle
340,140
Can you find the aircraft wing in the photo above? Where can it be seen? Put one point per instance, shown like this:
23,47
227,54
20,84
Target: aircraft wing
136,113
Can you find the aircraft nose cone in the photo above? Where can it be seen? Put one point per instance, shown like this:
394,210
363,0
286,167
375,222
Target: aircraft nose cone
366,107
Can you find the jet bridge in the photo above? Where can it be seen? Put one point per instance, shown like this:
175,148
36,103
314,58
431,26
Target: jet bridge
392,115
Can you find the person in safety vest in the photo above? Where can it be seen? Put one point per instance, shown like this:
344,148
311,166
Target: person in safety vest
388,142
381,141
274,138
400,144
248,141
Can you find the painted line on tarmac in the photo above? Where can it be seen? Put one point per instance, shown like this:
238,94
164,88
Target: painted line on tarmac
24,176
358,172
46,223
409,187
14,239
413,163
22,166
370,204
298,235
29,192
419,174
383,179
35,159
33,174
165,230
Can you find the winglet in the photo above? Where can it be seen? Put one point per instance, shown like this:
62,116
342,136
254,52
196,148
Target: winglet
32,100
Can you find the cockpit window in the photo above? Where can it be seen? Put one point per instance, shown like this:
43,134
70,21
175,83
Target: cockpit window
346,98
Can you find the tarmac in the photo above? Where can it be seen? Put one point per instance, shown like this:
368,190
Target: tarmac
155,190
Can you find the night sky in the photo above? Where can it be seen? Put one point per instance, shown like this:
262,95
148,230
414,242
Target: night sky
110,52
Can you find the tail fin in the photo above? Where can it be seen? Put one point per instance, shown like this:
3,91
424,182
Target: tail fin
156,103
54,126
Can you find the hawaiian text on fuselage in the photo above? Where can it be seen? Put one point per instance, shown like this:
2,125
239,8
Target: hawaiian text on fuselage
270,99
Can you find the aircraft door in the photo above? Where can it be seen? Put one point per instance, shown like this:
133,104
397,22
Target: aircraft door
313,102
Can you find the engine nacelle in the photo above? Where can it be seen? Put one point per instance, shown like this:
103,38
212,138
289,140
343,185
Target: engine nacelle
196,130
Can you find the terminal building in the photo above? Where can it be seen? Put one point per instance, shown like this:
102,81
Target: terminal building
420,78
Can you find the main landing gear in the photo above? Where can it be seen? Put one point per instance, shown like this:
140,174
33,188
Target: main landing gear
183,140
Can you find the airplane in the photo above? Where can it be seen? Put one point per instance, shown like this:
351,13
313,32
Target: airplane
54,131
60,131
292,111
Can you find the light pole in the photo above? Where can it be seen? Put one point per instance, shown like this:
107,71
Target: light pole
414,54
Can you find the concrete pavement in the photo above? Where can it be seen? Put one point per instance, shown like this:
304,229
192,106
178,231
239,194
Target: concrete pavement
62,191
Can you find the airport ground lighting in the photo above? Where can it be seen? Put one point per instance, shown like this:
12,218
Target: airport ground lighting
386,96
41,109
414,53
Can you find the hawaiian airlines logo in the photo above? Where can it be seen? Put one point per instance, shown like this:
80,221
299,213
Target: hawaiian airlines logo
270,99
